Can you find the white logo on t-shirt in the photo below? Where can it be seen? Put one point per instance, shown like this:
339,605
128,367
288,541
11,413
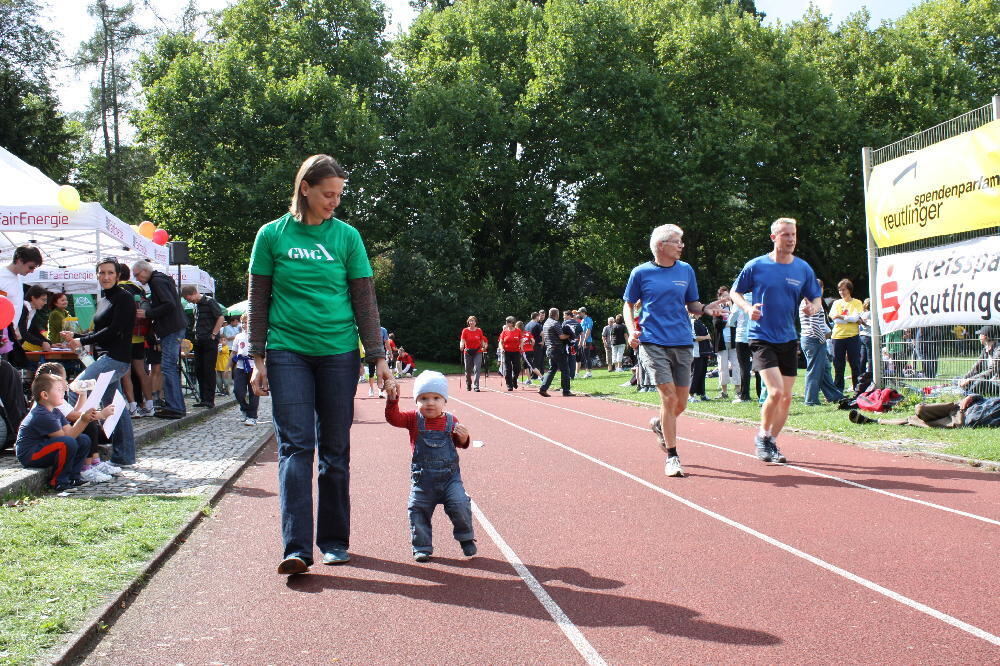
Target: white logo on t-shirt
793,282
306,253
680,283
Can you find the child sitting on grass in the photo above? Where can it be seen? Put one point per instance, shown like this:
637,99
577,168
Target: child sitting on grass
404,364
93,470
434,472
45,438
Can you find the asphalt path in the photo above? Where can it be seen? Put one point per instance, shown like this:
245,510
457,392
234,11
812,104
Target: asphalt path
589,554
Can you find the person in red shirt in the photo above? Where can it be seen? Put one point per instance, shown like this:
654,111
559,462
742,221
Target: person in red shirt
435,478
511,339
404,363
472,344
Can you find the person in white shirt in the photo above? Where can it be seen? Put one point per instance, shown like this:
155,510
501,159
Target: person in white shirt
26,259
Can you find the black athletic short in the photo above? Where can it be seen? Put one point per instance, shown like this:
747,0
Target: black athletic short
154,356
138,351
781,355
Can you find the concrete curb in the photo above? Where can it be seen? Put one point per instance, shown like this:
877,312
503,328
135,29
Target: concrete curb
32,481
75,648
897,446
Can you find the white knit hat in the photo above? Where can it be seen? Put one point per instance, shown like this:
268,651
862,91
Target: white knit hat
430,381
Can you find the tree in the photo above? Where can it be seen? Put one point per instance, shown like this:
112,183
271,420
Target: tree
272,84
107,52
30,124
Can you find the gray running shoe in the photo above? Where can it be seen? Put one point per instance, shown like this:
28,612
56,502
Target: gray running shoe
776,455
673,467
654,425
763,446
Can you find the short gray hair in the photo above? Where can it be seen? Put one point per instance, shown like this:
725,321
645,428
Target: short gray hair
142,265
782,221
662,233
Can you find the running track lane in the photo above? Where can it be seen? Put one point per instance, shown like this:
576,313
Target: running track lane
642,576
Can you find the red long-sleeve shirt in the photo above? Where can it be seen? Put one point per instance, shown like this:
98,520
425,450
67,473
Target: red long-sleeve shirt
408,420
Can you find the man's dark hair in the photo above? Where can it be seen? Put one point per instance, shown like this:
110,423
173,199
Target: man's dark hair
188,290
28,253
567,314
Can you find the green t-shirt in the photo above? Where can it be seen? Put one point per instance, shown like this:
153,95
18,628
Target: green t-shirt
310,267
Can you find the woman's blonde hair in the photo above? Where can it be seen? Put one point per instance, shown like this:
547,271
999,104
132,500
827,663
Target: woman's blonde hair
313,171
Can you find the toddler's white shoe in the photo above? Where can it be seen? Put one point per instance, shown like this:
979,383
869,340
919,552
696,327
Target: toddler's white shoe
93,475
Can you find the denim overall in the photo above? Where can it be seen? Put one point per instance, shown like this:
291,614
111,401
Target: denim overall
436,479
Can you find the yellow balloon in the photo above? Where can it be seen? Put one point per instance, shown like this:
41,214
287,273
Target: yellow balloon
147,228
68,197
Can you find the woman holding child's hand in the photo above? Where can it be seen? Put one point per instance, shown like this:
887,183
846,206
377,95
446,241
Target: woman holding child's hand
309,263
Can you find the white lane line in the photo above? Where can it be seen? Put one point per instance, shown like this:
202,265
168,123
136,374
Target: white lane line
574,635
864,582
855,484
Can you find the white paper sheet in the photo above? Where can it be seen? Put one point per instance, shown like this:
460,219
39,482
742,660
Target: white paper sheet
121,407
65,408
94,399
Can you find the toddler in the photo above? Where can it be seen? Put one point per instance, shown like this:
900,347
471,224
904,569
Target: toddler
45,438
223,376
435,476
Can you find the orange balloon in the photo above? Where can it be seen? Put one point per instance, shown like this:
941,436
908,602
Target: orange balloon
147,229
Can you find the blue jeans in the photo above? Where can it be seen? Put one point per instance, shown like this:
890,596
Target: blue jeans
170,346
312,406
818,372
432,485
122,437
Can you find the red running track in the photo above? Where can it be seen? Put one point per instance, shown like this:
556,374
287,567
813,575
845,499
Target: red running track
844,555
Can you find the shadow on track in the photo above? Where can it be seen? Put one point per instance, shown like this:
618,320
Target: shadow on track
796,480
459,586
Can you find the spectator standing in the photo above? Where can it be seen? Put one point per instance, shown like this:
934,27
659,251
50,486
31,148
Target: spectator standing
472,343
169,324
619,340
557,336
208,321
739,321
608,345
865,333
725,346
308,261
846,313
528,353
26,259
534,329
242,371
814,333
586,338
778,281
701,350
139,333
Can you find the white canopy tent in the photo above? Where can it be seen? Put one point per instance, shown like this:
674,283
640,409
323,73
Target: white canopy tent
71,241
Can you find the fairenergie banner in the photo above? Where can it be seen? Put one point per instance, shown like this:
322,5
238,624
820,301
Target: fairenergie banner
947,285
951,186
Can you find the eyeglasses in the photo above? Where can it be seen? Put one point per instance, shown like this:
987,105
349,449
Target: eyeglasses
675,241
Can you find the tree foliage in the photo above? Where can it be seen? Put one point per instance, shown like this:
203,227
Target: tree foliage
508,155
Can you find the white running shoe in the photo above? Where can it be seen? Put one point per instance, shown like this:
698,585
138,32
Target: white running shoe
371,392
673,467
105,467
93,475
250,422
587,375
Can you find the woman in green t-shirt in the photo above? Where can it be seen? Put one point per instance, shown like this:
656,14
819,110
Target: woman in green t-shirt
311,294
57,315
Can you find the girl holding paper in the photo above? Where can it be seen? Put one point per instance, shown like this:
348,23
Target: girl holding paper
113,326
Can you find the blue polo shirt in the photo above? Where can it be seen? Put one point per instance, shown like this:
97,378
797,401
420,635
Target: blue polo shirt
665,292
778,288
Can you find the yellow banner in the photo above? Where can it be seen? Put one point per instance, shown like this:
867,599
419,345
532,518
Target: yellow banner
951,186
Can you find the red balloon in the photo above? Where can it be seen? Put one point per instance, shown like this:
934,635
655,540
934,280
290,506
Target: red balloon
6,312
160,237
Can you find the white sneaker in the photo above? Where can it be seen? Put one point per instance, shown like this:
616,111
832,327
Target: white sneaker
250,422
673,467
587,375
93,475
371,392
105,467
381,394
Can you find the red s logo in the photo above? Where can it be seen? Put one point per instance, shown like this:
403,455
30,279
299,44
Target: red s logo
889,302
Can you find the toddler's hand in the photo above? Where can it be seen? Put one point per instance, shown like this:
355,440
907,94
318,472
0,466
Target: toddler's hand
462,431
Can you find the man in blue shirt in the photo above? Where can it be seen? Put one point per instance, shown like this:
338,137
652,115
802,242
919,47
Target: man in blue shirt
583,348
779,281
667,289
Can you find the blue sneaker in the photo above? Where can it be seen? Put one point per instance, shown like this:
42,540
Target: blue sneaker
336,556
776,455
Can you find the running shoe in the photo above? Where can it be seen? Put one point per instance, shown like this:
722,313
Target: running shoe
106,467
468,547
93,475
421,556
673,467
654,425
776,455
763,447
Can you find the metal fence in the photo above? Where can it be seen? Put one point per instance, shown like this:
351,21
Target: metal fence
934,357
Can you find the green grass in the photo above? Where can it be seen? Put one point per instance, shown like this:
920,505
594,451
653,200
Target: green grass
980,443
62,557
